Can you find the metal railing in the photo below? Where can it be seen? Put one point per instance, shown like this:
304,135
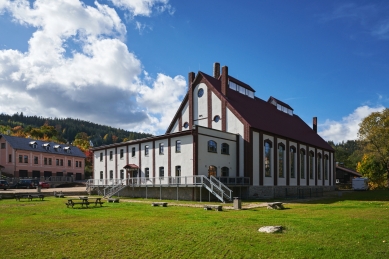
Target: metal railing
112,186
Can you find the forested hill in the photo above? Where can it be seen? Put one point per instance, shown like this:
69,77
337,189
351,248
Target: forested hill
64,130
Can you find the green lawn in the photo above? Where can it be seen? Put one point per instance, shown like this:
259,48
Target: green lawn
352,226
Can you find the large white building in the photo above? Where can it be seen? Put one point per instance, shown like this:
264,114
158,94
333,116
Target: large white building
225,139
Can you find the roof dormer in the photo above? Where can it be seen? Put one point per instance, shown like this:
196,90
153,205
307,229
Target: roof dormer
46,146
281,106
33,144
240,87
67,150
57,148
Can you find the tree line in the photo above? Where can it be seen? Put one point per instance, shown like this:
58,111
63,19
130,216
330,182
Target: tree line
64,130
369,154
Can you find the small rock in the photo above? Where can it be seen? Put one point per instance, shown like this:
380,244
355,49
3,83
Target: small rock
270,229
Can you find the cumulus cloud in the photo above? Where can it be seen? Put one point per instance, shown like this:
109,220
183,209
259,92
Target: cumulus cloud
78,65
347,128
143,7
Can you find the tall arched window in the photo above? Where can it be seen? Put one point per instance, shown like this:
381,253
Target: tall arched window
212,146
311,164
292,162
319,166
302,164
326,167
267,158
281,160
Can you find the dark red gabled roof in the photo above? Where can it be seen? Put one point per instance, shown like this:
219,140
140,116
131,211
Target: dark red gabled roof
264,116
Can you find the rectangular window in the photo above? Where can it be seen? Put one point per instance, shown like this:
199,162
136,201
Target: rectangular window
61,162
20,159
121,153
326,168
10,158
69,162
57,162
2,145
146,150
110,174
133,152
101,156
161,148
110,155
49,161
76,163
161,172
101,175
26,159
35,160
45,161
121,174
79,164
178,146
147,173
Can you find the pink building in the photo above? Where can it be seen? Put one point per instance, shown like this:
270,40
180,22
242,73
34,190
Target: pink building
24,157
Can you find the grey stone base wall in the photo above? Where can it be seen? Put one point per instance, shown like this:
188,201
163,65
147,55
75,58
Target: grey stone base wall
244,193
285,192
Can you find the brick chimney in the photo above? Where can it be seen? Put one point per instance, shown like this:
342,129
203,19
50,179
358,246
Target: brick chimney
216,70
225,81
315,124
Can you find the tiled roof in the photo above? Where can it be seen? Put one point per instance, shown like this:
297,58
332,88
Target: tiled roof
264,116
24,144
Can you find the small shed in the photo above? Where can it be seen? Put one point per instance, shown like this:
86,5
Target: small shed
360,184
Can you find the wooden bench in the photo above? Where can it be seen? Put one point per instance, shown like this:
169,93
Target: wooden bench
163,204
275,205
37,196
29,197
113,200
213,207
81,202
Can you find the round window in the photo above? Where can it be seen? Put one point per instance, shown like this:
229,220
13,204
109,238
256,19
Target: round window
200,92
216,118
186,125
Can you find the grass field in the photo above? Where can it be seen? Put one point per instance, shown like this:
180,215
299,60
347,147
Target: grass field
355,225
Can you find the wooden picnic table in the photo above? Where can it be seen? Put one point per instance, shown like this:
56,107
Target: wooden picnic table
84,201
29,196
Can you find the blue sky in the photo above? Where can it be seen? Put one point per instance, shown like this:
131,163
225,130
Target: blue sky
124,63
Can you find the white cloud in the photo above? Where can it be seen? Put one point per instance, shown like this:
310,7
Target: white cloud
143,7
347,128
77,65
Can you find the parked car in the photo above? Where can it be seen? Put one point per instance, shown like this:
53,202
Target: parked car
4,184
27,183
44,185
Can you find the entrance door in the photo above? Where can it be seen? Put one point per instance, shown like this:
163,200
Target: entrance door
178,174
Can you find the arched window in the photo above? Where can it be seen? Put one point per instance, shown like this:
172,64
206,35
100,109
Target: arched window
326,167
319,166
212,146
225,171
212,171
302,164
281,160
267,158
311,164
225,149
292,154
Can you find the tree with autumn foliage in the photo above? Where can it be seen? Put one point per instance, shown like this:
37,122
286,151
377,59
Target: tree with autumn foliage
374,134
